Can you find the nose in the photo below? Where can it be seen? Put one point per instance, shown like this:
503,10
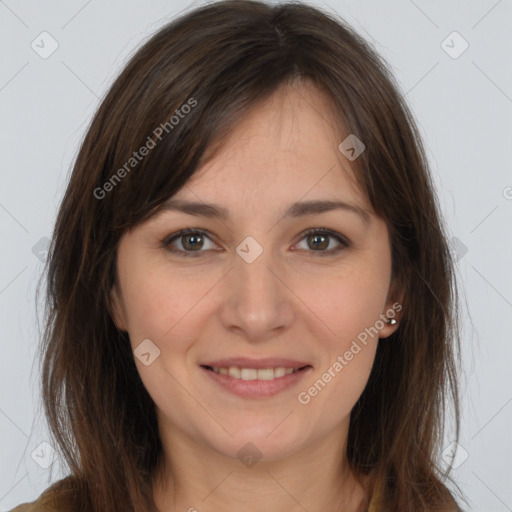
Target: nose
256,300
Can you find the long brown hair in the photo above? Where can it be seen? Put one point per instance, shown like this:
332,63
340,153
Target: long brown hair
220,60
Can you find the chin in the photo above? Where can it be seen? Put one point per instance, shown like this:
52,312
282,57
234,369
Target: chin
263,442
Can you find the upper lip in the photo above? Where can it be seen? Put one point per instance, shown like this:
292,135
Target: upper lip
247,362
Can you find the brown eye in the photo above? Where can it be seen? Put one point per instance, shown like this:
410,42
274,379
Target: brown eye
188,242
194,242
319,240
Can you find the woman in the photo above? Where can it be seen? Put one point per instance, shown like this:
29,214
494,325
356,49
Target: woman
251,301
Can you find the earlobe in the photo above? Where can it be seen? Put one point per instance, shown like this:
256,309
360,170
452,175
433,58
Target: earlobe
390,322
116,309
392,315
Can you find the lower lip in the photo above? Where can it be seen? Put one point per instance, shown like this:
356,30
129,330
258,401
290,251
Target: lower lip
257,388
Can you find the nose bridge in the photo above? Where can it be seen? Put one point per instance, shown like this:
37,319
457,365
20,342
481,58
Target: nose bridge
253,272
253,288
257,302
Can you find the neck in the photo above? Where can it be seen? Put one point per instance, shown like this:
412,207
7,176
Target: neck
194,478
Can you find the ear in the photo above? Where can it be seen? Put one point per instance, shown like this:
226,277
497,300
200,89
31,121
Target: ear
393,310
116,309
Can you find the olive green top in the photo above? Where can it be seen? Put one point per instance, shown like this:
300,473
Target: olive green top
46,503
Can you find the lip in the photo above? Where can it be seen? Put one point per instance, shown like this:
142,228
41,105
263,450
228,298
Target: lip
257,388
247,362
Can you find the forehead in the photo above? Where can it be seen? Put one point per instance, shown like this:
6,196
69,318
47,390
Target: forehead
286,146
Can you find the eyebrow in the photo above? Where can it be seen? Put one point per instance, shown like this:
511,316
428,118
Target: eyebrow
299,209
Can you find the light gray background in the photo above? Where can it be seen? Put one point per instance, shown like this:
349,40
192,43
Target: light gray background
463,106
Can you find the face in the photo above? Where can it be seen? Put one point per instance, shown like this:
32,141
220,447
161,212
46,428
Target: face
305,290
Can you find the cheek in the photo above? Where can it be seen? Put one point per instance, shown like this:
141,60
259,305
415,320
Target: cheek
167,308
160,302
336,387
349,302
163,311
347,310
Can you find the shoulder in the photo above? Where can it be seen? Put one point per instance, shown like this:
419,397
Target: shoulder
452,507
376,507
24,507
34,506
44,503
56,498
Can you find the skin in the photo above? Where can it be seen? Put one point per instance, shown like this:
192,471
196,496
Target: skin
289,302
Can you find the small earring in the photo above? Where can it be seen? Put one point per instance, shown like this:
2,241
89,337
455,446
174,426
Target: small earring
391,321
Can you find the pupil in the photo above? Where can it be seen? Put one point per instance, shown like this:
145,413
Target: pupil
322,246
193,244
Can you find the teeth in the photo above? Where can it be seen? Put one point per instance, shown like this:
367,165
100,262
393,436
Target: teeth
255,374
248,374
234,372
266,374
280,372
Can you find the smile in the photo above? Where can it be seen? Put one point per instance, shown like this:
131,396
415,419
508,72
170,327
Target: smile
255,382
253,373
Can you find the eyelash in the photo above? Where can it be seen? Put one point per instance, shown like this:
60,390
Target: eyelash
344,242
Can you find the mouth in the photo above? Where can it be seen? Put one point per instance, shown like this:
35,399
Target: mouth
265,374
249,382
